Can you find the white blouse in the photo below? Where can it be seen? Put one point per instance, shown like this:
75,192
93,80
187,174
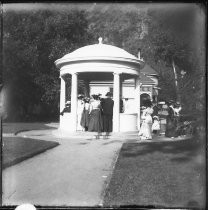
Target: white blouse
80,106
94,105
87,106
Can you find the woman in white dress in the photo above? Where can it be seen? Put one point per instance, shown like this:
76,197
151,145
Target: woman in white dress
80,108
145,132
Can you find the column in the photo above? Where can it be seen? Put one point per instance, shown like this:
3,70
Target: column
137,100
62,94
74,88
121,89
116,97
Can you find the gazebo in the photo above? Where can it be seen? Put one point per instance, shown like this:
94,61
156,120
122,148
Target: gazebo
100,62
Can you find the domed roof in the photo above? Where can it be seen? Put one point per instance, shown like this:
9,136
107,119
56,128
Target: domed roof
97,52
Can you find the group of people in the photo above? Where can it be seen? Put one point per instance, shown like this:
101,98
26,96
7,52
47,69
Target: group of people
95,114
150,123
149,120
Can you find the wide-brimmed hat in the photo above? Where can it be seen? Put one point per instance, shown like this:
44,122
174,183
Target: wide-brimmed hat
170,102
80,96
95,96
177,103
108,94
155,117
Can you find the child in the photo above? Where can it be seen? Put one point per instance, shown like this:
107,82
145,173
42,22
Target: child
156,124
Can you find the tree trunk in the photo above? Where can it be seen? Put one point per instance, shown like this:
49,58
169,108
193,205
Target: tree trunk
178,95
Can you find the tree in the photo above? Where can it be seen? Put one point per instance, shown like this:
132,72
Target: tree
31,46
173,36
118,28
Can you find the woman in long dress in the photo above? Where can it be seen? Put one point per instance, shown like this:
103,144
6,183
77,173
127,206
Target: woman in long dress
145,132
85,114
171,122
95,122
80,108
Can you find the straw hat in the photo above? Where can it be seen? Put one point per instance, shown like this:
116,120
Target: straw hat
108,94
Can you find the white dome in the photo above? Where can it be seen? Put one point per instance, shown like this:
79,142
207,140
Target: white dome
97,52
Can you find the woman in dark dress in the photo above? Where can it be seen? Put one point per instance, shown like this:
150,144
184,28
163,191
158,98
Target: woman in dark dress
95,122
171,122
85,114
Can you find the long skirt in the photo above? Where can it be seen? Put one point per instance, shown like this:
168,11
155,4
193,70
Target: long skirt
171,127
146,128
107,123
95,122
85,119
79,127
146,131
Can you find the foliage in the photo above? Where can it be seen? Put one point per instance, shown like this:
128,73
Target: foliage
174,36
31,46
118,28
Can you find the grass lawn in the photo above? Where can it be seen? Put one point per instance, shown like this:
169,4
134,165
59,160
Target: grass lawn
14,128
17,149
160,174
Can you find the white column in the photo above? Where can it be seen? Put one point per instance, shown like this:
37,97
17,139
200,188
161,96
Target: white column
137,100
62,94
116,97
74,101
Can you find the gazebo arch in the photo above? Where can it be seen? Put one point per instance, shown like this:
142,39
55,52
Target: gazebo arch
101,62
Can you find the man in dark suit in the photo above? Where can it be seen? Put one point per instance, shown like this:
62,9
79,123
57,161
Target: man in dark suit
107,109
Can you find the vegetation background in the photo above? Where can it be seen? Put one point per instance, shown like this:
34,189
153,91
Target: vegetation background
35,35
